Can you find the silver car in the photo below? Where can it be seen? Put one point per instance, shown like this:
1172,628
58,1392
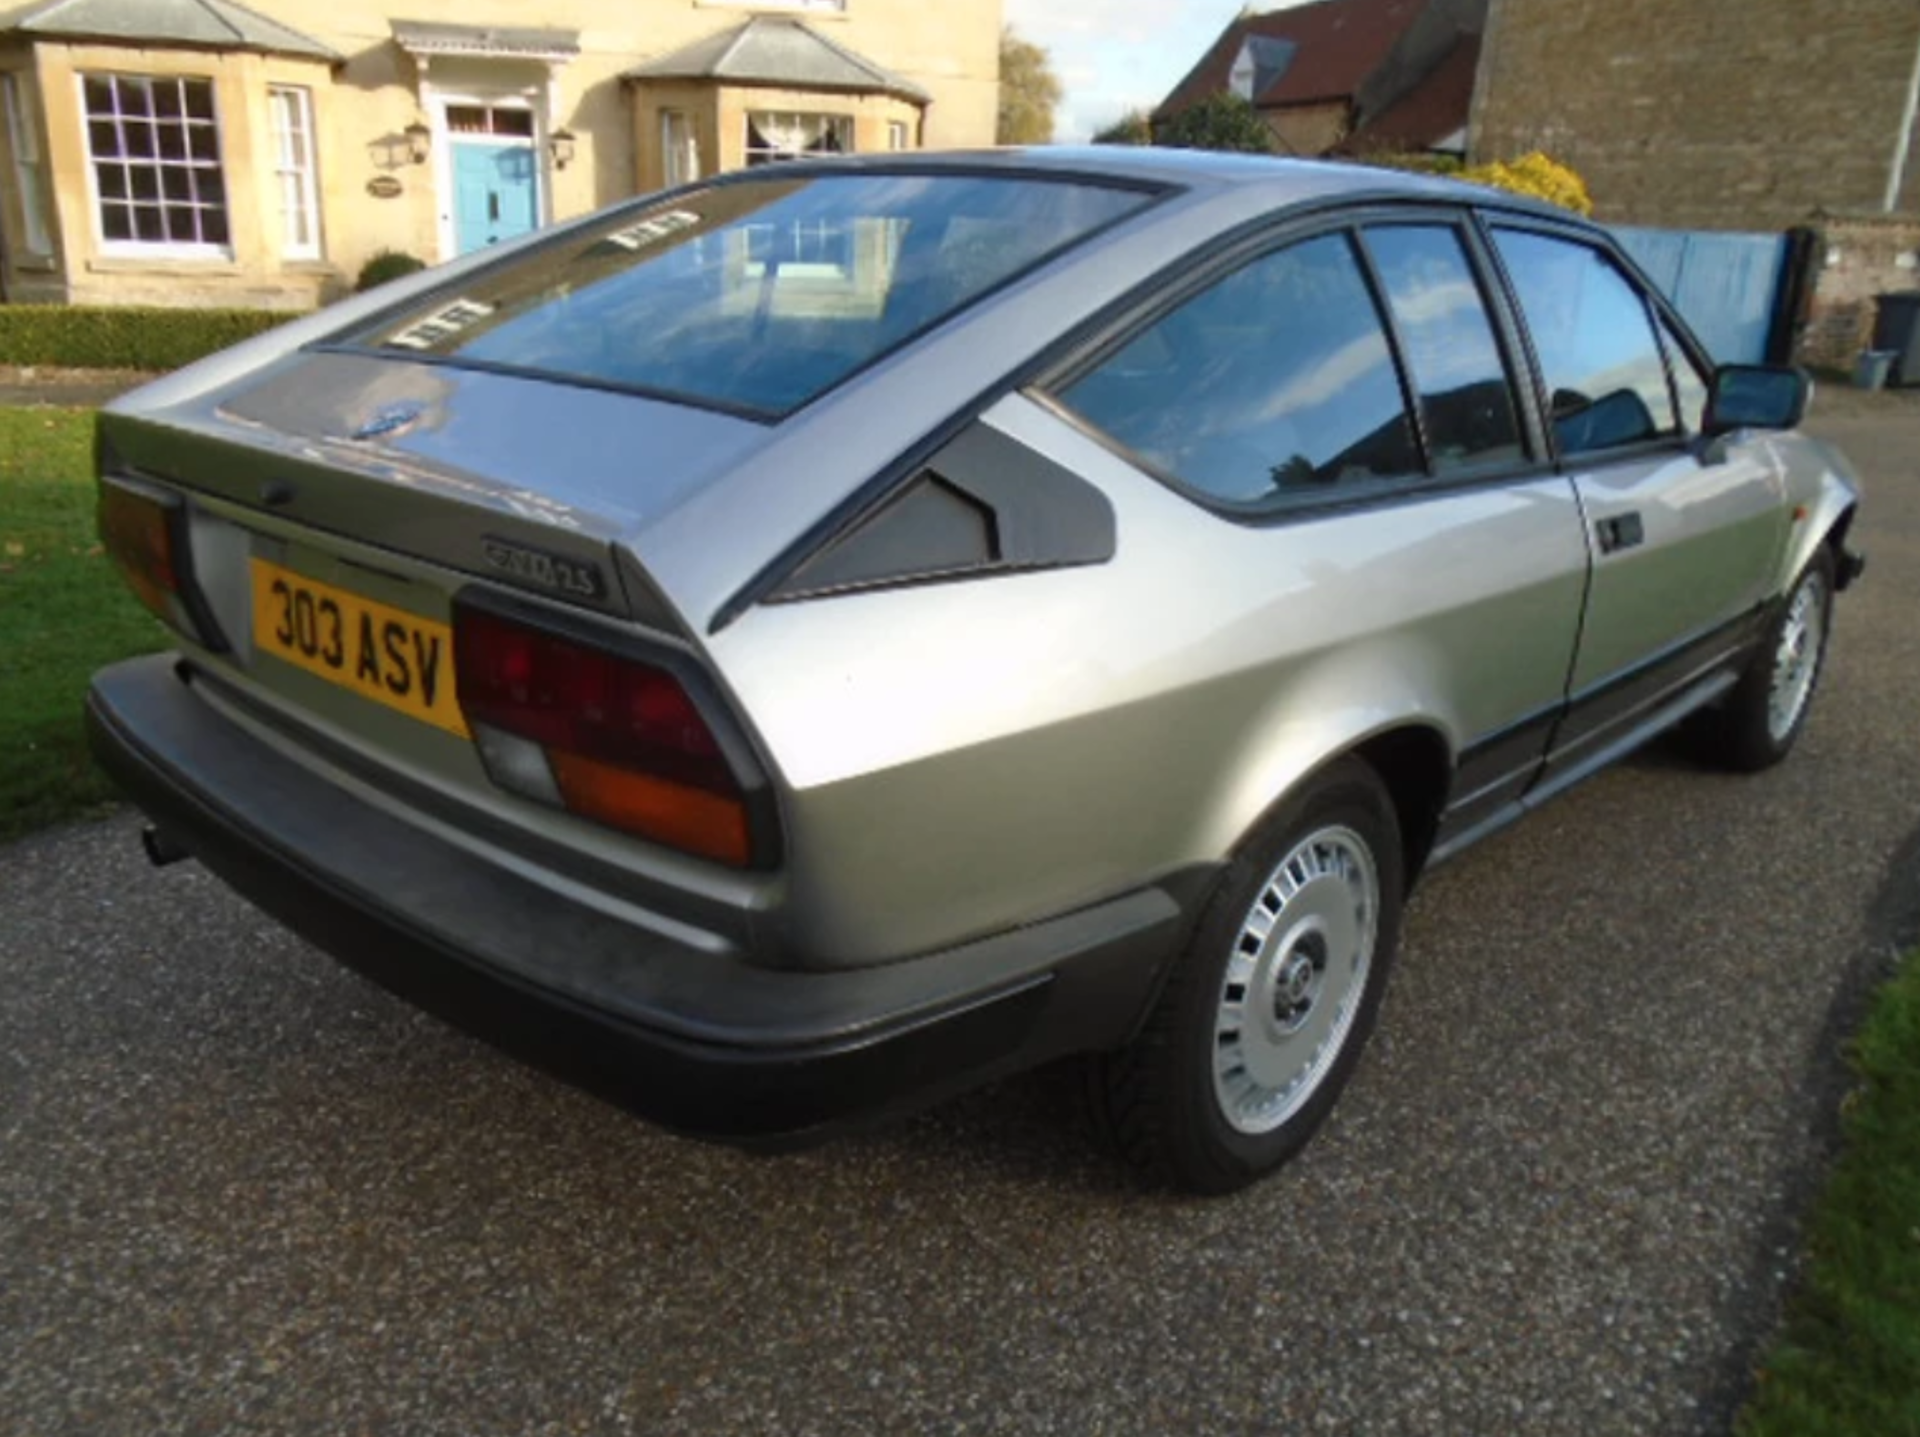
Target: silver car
792,648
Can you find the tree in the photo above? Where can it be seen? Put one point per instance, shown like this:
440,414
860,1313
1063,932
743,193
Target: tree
1029,92
1132,128
1222,121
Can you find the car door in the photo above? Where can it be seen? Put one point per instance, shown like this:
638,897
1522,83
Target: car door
1683,536
1346,398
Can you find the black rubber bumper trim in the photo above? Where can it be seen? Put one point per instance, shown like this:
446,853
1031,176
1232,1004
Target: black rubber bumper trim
753,1093
1847,573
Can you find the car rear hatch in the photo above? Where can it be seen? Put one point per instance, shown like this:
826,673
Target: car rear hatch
336,505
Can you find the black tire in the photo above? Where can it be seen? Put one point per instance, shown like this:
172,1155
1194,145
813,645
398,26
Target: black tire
1158,1100
1742,733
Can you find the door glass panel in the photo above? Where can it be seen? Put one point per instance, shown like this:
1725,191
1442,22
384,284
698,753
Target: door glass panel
1605,380
1465,397
1274,384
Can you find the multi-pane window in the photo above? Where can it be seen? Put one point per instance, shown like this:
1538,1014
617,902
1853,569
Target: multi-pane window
805,247
679,149
514,122
35,240
774,136
154,145
294,169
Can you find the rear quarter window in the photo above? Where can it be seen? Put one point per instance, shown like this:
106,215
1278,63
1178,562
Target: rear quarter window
1274,385
757,295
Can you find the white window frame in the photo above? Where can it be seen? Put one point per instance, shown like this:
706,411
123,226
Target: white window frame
445,137
899,135
679,154
842,123
155,249
36,241
296,160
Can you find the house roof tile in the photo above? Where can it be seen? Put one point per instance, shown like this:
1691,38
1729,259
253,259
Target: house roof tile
208,24
773,50
1427,114
1338,44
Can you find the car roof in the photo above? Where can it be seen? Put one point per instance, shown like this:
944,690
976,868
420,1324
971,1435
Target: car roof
1286,181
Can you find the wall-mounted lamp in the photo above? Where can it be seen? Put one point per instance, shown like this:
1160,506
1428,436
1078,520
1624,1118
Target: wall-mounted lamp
419,141
560,144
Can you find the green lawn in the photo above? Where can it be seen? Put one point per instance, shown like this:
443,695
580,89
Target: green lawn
1848,1359
64,612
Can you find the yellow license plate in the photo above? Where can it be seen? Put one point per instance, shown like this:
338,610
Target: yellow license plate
379,652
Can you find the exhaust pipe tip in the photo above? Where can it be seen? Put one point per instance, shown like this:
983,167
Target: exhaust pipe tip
161,850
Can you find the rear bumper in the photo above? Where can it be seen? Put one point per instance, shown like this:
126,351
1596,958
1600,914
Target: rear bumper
699,1040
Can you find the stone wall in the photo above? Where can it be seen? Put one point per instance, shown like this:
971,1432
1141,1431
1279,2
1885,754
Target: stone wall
1704,114
1866,255
1309,130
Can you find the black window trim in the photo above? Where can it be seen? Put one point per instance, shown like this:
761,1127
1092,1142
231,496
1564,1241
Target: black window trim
1166,292
1596,239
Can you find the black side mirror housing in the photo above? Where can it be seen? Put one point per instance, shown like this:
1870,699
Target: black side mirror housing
1757,396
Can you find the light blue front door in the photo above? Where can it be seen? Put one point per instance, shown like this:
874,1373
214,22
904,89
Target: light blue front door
493,194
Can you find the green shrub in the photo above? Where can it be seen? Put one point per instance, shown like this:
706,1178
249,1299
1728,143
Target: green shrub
123,337
1220,122
387,264
1132,128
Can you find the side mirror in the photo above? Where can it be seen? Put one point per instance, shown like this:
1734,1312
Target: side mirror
1757,396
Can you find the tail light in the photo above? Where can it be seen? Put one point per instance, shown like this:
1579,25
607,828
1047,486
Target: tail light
144,531
612,738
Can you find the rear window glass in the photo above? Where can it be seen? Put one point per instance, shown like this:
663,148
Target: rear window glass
759,295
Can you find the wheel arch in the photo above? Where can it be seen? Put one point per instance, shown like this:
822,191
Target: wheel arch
1414,761
1825,494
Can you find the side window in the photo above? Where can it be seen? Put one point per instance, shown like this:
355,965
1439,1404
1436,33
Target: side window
1606,383
1275,382
1688,382
1465,397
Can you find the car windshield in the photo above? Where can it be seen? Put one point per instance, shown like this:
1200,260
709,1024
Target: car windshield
755,296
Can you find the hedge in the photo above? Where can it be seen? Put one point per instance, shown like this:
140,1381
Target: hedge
113,337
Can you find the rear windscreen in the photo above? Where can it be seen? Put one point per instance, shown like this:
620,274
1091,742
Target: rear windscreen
757,295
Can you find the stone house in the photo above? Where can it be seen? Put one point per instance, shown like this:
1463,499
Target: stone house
1342,77
195,152
1690,114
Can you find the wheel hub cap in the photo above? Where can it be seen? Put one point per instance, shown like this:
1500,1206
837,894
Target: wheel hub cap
1796,660
1294,982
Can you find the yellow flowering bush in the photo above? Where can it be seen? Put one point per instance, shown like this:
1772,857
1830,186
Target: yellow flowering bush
1538,175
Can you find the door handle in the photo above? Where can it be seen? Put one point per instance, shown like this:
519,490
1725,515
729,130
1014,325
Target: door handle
1620,531
493,206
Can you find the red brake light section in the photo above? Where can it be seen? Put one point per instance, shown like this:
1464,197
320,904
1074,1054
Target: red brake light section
623,740
137,532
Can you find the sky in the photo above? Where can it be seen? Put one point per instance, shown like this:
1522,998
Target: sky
1116,55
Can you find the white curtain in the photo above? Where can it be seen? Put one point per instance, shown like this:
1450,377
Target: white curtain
796,134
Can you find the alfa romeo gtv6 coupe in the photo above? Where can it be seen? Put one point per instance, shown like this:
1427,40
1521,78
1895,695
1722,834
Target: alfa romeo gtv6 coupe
785,650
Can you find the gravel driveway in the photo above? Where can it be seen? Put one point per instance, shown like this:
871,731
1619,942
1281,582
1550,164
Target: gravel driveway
242,1191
